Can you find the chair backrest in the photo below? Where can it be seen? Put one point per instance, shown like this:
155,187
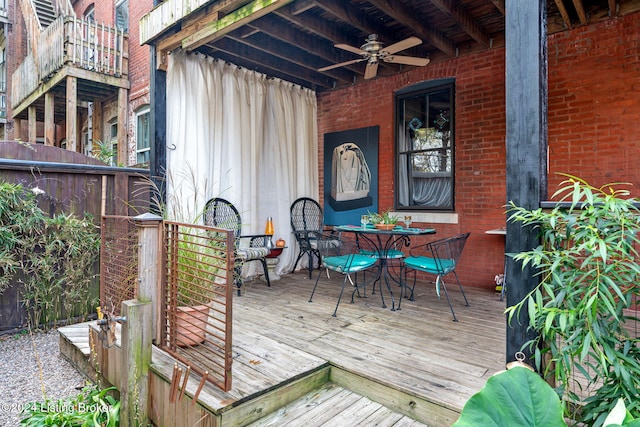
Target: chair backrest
306,215
446,252
222,214
342,255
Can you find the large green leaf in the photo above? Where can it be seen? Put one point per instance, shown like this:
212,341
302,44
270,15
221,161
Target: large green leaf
517,397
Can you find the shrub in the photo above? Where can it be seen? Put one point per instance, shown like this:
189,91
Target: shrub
53,258
589,275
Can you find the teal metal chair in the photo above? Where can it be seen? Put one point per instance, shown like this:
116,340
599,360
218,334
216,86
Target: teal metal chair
343,257
439,258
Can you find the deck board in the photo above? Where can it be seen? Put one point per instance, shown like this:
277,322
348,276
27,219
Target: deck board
279,338
418,349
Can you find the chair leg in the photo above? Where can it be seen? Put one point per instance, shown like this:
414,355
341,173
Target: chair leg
237,278
440,280
300,255
315,286
310,256
266,271
344,283
461,290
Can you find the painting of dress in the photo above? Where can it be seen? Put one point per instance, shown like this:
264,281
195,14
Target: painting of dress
350,175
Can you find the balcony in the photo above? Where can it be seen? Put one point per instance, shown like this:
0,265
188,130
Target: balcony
96,54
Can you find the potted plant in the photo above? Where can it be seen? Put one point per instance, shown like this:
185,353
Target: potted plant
197,266
383,220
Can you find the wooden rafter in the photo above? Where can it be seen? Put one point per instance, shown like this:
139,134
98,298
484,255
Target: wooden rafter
499,4
563,12
241,16
582,15
405,15
464,20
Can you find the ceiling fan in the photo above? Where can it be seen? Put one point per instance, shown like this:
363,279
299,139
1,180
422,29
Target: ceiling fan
373,51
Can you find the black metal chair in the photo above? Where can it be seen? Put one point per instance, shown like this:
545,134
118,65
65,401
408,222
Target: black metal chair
307,223
221,213
440,258
344,257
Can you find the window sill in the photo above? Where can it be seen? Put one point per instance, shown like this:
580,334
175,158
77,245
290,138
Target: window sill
430,217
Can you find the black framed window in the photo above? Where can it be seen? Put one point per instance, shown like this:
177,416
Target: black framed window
425,146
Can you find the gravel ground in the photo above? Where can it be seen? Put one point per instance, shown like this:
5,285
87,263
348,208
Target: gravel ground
30,366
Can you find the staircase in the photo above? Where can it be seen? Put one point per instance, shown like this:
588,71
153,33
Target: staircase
45,12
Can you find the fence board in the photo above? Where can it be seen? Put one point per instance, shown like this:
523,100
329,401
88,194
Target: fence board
72,183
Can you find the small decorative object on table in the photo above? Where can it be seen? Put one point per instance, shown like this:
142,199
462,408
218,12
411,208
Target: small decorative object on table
383,221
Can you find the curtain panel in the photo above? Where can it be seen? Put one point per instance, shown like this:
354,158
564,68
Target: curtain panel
236,134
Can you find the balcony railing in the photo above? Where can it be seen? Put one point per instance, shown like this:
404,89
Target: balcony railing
72,41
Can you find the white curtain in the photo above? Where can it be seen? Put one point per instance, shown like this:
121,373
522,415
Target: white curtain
236,134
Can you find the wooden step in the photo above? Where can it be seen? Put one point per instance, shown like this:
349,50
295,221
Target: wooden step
332,405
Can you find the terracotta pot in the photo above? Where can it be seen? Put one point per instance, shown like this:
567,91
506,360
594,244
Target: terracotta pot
191,325
385,226
280,243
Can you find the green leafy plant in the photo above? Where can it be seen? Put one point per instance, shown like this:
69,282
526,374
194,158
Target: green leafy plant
385,217
521,397
53,258
104,151
621,417
92,407
517,397
588,280
198,261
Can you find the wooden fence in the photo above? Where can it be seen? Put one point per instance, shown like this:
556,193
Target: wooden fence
71,183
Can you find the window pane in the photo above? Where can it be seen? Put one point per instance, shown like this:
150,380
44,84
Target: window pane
143,131
143,137
122,16
425,149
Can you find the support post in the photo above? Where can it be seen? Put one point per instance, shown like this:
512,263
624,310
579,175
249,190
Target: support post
123,100
136,355
526,140
49,119
33,124
72,114
149,284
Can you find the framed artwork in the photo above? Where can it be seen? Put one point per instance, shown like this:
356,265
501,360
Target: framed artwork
350,175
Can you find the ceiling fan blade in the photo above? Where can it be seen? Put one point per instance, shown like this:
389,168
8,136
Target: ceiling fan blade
407,60
342,64
402,45
349,48
371,70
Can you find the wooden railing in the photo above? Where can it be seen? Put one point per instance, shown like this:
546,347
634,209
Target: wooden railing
72,41
197,277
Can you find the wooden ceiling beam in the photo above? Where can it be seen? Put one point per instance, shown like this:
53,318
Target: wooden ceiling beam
294,54
499,4
270,64
406,17
324,30
462,18
276,73
234,20
301,6
286,33
582,15
563,12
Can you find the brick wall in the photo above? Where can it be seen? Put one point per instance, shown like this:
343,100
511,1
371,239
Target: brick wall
594,123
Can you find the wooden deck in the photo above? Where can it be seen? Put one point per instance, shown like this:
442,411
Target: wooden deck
291,356
418,349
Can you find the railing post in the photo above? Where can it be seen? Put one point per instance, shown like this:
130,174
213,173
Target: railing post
136,352
149,255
